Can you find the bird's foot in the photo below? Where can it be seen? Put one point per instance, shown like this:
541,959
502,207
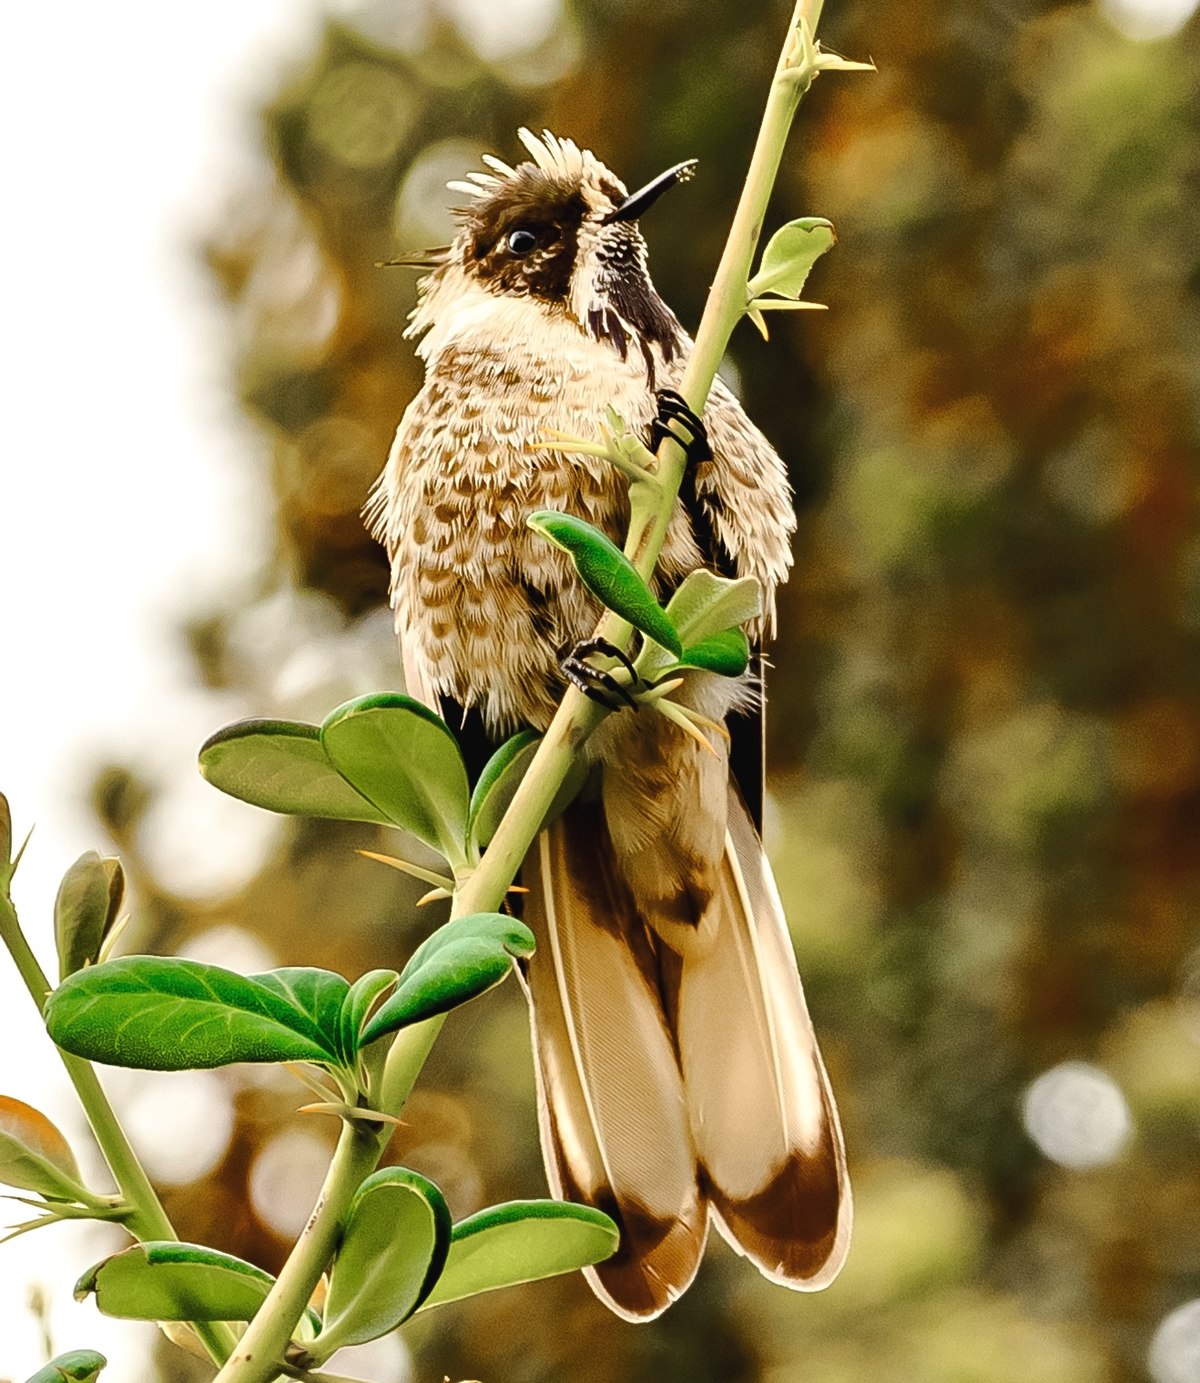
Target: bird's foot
676,420
599,684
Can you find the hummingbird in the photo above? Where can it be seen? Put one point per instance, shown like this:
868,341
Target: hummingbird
679,1079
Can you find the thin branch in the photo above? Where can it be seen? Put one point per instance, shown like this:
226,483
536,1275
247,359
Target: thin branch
146,1218
258,1356
577,717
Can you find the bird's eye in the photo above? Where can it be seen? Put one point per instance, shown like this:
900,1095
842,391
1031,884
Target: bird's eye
521,241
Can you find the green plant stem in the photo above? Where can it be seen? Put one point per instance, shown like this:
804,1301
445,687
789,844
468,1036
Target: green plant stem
404,1060
577,717
258,1356
316,1376
146,1219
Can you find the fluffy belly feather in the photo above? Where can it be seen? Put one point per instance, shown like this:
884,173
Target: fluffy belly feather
485,607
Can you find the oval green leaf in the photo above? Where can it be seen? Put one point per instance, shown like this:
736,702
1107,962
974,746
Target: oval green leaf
458,962
393,1248
34,1156
162,1014
706,603
76,1366
168,1281
405,760
498,783
608,574
522,1241
316,999
89,899
727,652
281,765
790,255
362,997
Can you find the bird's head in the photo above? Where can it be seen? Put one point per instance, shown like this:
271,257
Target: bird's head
559,229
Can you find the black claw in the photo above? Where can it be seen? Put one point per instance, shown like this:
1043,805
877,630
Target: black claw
609,650
673,412
596,684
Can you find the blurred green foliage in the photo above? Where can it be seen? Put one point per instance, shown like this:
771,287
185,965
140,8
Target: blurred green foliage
986,691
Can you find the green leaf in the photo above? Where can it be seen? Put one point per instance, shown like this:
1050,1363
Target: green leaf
758,306
727,652
405,759
834,62
706,603
76,1366
608,574
459,961
362,996
163,1014
790,255
89,900
522,1241
316,997
281,765
392,1250
34,1156
168,1281
498,783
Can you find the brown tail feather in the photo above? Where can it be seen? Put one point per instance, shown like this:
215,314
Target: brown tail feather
613,1122
671,1083
763,1118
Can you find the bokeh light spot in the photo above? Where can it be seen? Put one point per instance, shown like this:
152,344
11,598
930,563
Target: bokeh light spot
180,1122
387,1360
285,1179
500,31
1146,19
201,844
233,948
1174,1355
402,24
360,114
1077,1115
422,216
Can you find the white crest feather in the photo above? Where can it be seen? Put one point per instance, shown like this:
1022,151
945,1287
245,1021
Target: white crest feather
554,155
470,189
497,165
561,158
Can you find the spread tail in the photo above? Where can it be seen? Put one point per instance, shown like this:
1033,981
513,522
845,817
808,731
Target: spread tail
683,1079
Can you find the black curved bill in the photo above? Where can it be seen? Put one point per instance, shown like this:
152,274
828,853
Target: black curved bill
637,202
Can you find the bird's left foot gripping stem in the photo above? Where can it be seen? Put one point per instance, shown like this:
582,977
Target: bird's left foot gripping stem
596,683
676,420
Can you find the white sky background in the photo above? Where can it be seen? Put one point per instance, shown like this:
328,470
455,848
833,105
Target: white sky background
128,481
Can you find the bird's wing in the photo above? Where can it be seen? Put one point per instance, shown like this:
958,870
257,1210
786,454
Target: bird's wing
387,513
744,497
611,1106
739,505
763,1119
